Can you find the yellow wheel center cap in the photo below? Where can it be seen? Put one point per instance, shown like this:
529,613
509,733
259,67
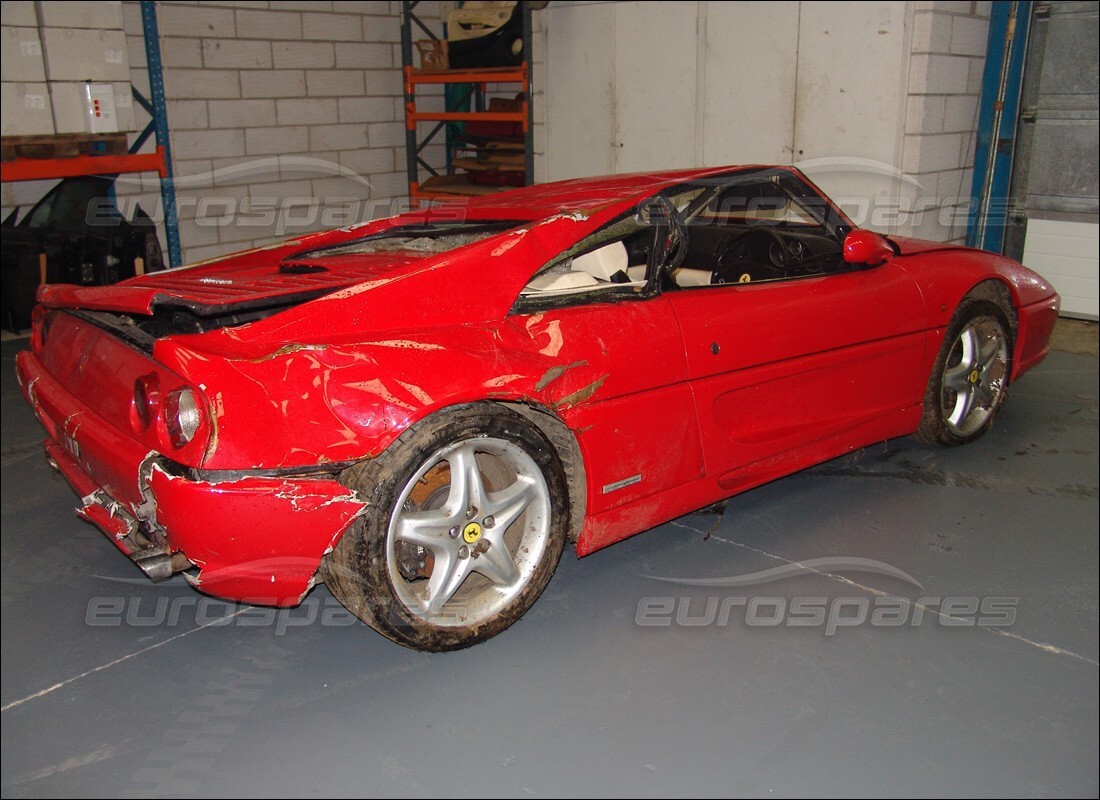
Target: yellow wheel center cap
471,533
975,376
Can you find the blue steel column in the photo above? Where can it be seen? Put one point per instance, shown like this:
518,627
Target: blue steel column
998,114
412,169
160,120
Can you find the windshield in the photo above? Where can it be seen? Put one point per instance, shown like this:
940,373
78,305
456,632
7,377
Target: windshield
770,199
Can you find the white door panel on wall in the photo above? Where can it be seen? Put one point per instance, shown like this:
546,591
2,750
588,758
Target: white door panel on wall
1068,255
750,64
655,80
580,62
642,85
850,96
850,91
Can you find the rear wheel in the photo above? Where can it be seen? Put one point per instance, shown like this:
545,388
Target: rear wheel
466,520
969,380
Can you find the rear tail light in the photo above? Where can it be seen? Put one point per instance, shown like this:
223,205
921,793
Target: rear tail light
178,412
146,402
182,416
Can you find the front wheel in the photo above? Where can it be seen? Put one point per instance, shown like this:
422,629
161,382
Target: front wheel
969,380
466,519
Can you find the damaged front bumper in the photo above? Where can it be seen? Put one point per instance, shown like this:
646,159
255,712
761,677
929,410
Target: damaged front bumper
254,538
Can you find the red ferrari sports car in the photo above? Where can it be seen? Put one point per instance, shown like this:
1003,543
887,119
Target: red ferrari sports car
421,411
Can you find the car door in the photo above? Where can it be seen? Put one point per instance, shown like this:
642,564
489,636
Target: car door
624,379
804,368
610,359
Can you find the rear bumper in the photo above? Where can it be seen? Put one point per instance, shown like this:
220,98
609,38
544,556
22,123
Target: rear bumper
254,538
1035,324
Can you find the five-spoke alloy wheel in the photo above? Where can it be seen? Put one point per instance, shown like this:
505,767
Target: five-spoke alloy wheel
466,519
969,380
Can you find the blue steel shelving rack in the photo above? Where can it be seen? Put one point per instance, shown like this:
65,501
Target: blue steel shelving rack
160,161
158,109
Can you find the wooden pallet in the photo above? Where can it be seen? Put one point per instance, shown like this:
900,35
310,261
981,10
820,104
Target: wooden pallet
494,164
64,145
457,185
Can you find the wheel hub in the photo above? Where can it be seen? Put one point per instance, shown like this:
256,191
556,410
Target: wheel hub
471,533
974,376
480,511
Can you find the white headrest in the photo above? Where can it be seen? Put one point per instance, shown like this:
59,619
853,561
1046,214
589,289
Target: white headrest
603,262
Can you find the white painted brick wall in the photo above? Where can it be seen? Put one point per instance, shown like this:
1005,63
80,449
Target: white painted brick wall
241,113
275,141
326,138
366,56
292,106
273,83
236,54
302,112
309,55
173,52
270,25
538,96
333,27
945,72
183,19
199,143
198,83
335,83
188,114
366,109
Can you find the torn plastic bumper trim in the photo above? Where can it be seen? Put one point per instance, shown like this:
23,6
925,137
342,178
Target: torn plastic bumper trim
255,539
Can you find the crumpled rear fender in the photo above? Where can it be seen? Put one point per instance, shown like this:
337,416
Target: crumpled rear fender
255,539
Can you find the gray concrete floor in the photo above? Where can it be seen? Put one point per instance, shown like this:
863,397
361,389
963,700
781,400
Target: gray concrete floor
107,693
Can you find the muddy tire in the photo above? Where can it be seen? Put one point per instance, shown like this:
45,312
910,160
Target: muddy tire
969,380
467,515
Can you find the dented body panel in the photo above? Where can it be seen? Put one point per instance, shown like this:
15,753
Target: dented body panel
255,539
284,365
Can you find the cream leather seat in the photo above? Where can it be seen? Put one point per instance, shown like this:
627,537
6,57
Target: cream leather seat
603,262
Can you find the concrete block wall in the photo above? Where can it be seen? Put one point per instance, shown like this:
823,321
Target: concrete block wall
946,61
538,93
285,117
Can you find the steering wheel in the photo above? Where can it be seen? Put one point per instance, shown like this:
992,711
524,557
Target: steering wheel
753,250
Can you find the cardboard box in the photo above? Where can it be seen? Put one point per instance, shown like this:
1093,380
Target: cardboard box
85,55
21,54
70,108
100,14
26,109
18,12
124,108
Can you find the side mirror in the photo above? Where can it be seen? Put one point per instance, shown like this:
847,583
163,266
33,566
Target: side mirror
867,247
